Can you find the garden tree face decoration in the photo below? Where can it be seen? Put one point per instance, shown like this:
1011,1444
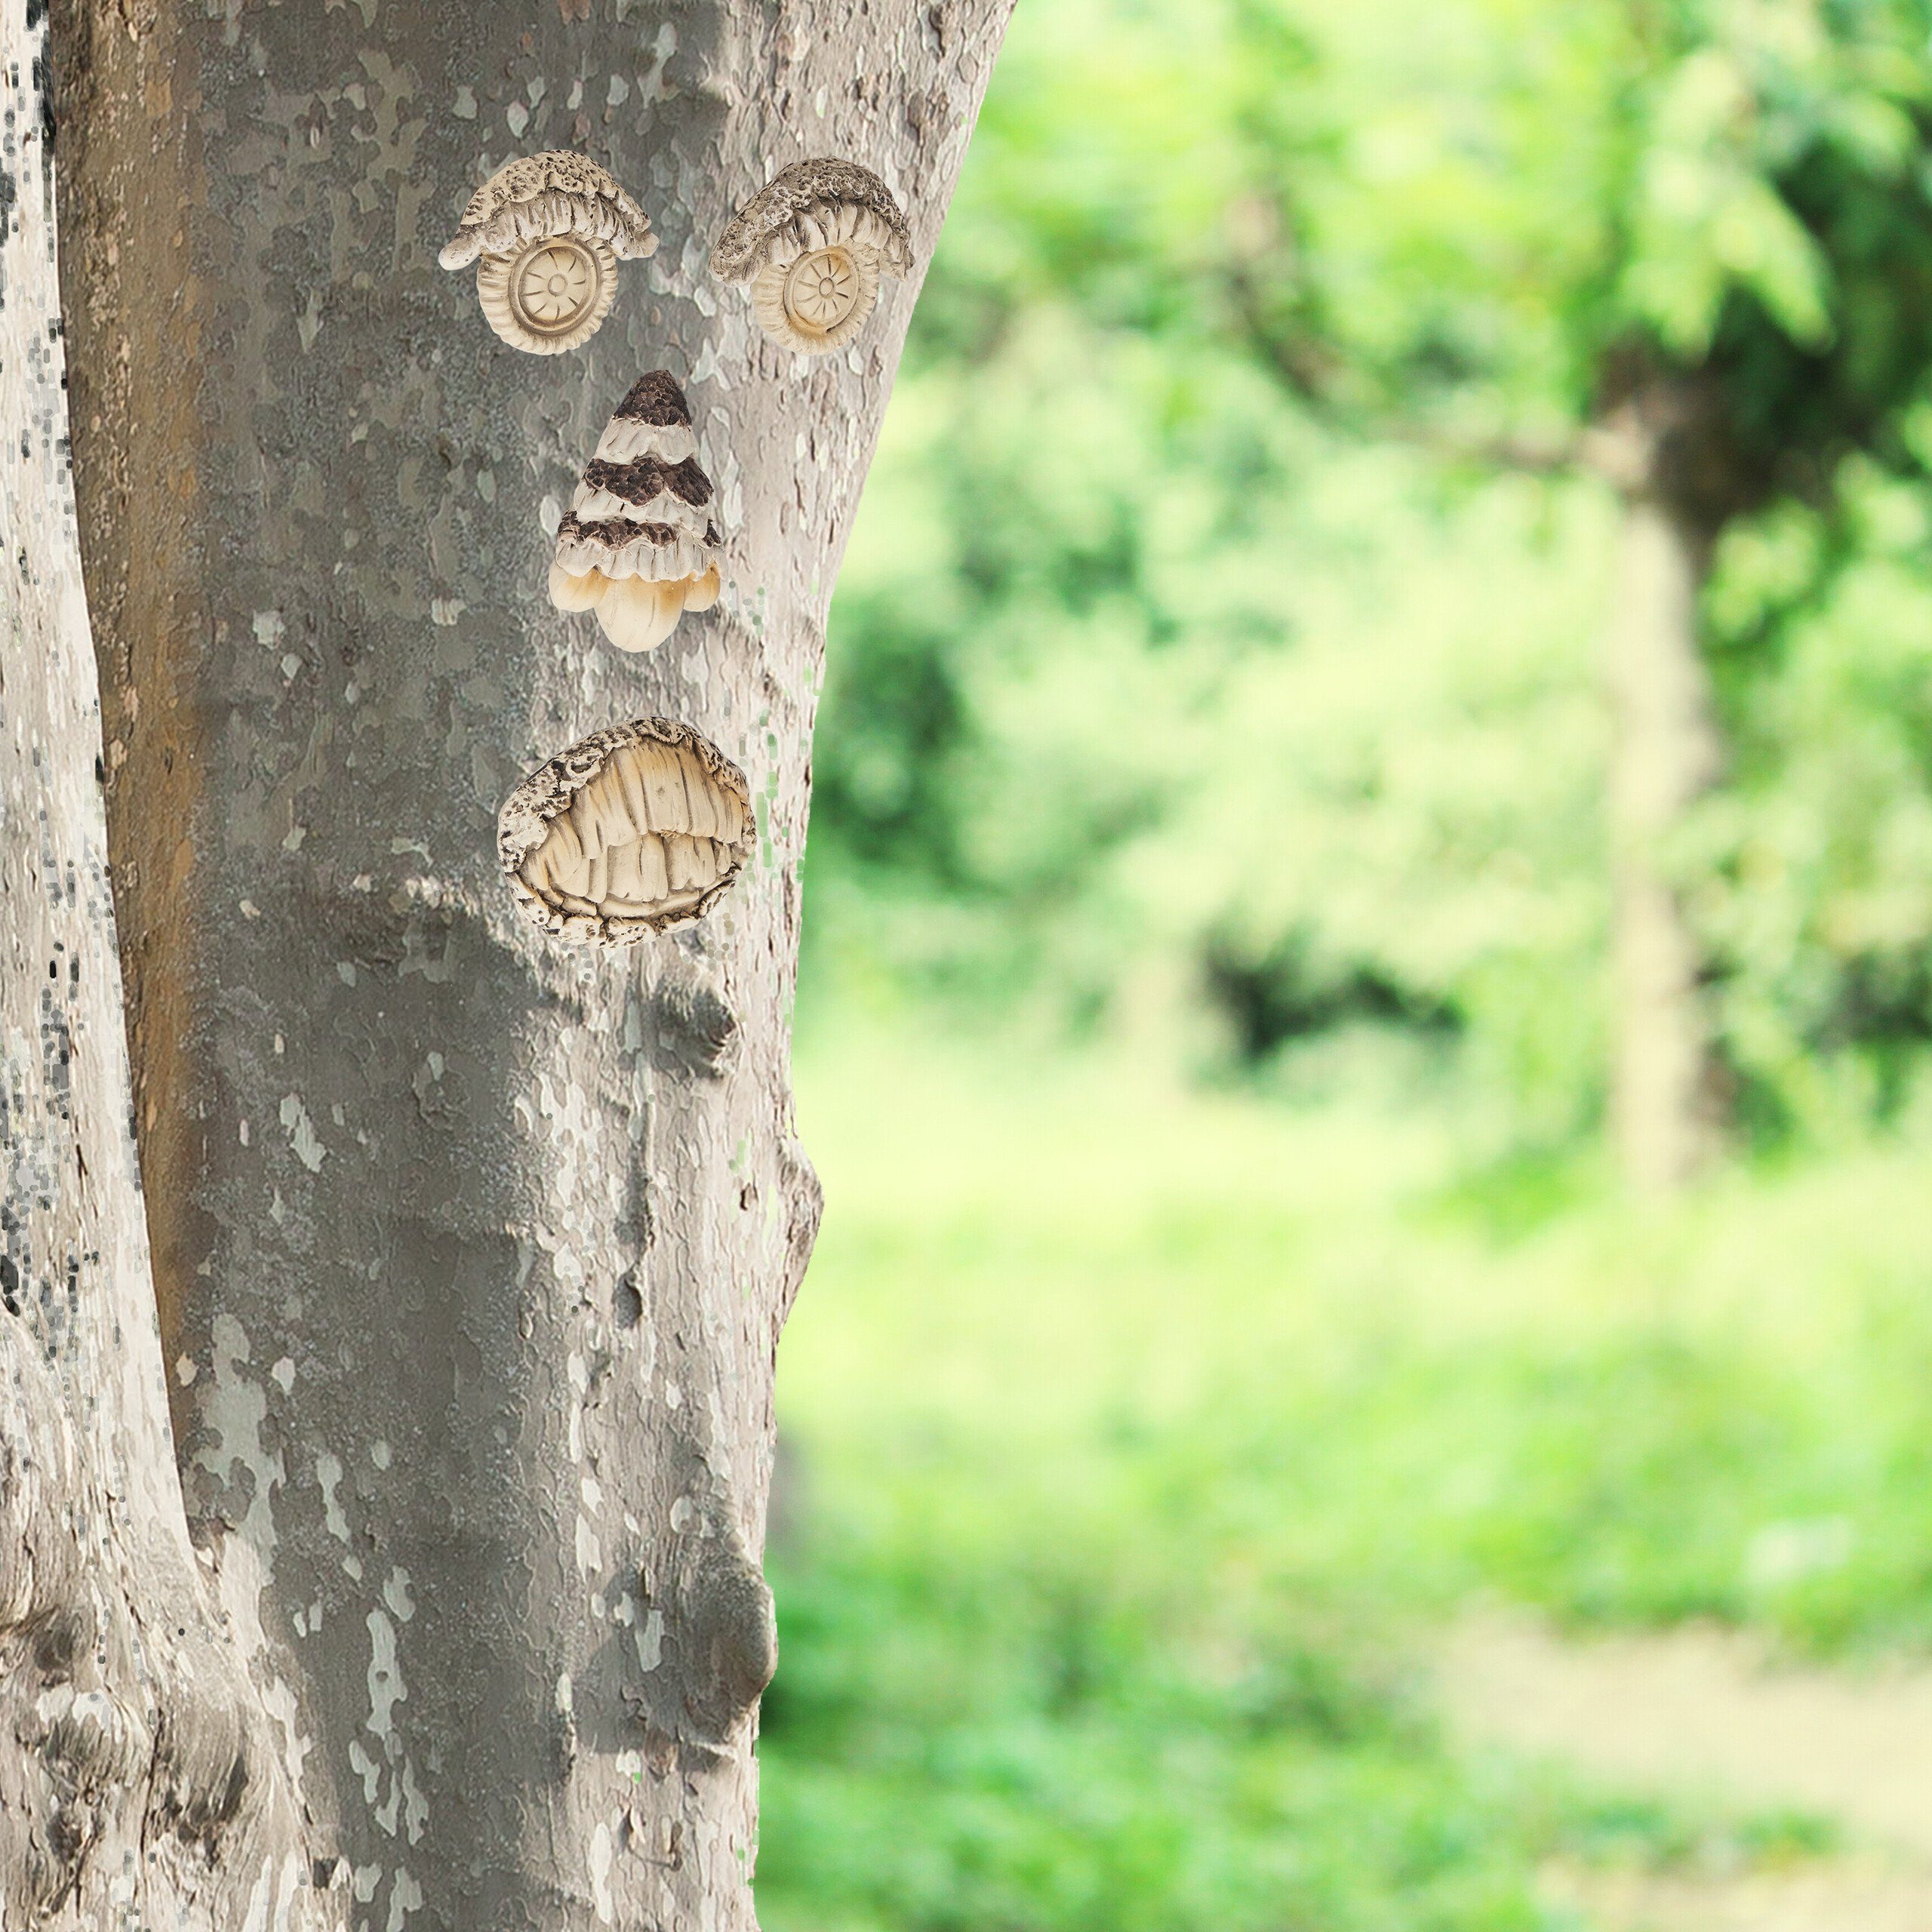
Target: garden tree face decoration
812,243
546,232
468,1633
634,829
639,546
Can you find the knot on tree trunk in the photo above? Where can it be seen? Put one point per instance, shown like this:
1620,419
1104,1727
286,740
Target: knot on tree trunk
805,1197
205,1751
80,1749
691,1029
128,1714
720,1637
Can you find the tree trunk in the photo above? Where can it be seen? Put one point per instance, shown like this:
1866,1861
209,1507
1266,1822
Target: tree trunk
1665,754
471,1251
143,1781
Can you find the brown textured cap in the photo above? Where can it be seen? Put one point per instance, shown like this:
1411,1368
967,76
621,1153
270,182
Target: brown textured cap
637,482
801,189
657,399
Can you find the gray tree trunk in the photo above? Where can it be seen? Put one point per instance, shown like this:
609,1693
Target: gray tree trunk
147,1778
471,1252
1665,753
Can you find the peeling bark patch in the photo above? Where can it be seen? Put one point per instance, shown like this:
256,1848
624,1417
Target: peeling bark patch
391,1790
302,1136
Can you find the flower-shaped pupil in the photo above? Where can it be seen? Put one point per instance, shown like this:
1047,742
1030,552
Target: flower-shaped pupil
824,290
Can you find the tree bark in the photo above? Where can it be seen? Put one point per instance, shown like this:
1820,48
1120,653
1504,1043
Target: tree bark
471,1251
1665,754
143,1781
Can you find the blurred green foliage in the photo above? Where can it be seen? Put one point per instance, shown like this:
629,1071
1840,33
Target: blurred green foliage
1207,669
1215,672
1037,1737
1139,1442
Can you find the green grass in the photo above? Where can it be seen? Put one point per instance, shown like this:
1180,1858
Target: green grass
1139,1437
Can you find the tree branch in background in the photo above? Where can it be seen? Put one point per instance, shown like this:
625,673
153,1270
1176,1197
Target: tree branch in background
1315,373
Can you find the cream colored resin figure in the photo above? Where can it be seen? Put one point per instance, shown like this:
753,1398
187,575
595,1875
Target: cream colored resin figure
639,546
547,233
812,244
634,829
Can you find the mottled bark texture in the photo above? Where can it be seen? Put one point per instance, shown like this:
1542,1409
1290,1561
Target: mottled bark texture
471,1251
147,1765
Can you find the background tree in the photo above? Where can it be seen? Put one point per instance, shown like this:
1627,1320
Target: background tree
1435,348
469,1255
1688,246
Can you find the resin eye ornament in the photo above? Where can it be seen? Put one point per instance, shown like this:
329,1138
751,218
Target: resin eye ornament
633,829
639,546
812,244
547,233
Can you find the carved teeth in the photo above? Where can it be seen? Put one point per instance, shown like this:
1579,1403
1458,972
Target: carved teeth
639,546
812,245
653,881
634,829
547,233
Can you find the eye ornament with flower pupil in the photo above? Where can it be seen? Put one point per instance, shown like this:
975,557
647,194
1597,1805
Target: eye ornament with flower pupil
547,233
811,246
553,288
823,290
